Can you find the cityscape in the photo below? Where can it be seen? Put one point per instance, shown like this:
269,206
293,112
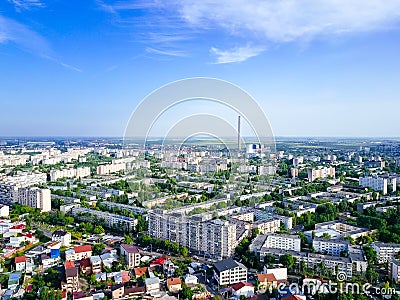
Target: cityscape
167,150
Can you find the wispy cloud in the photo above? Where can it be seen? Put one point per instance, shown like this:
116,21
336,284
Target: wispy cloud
27,4
176,53
288,20
258,22
29,41
237,54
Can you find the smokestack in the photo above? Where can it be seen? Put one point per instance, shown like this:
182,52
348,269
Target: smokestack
238,130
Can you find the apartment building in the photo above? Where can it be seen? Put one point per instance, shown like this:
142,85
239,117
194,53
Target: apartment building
394,271
263,243
320,172
198,232
111,168
385,252
34,197
96,264
374,182
71,283
79,172
229,271
267,226
131,255
330,246
111,220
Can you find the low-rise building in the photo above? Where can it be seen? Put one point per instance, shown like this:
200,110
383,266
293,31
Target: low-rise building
174,284
62,236
131,255
385,252
333,247
228,271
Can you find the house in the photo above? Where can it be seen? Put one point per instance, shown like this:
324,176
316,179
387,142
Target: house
78,252
174,284
117,291
17,228
152,284
62,236
48,262
245,289
191,280
135,292
20,263
122,277
139,272
267,281
228,272
96,264
108,259
85,266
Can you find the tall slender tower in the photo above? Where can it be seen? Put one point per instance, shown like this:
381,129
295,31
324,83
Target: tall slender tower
238,131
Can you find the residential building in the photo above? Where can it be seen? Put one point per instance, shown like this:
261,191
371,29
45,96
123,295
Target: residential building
20,263
374,182
242,289
198,232
228,271
111,220
96,264
333,247
71,276
62,236
33,197
394,271
174,284
320,172
78,252
152,284
110,168
385,252
267,281
79,172
263,243
131,254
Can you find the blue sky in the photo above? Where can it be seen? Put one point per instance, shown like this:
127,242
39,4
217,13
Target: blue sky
325,68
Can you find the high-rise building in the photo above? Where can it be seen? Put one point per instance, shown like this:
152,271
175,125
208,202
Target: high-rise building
198,232
320,172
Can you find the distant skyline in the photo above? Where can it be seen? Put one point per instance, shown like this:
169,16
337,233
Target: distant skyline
79,68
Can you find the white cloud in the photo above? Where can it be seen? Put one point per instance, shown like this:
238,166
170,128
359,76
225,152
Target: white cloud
237,54
166,52
29,41
289,20
27,4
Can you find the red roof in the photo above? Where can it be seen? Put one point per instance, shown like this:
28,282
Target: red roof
29,235
125,276
266,277
69,264
84,248
158,261
240,285
20,259
85,262
19,226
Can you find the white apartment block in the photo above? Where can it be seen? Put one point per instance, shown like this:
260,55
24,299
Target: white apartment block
267,226
330,246
376,183
198,232
131,255
264,243
385,252
111,220
228,272
33,197
394,271
110,168
70,173
320,172
13,160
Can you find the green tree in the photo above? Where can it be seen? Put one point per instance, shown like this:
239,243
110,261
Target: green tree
98,229
287,260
